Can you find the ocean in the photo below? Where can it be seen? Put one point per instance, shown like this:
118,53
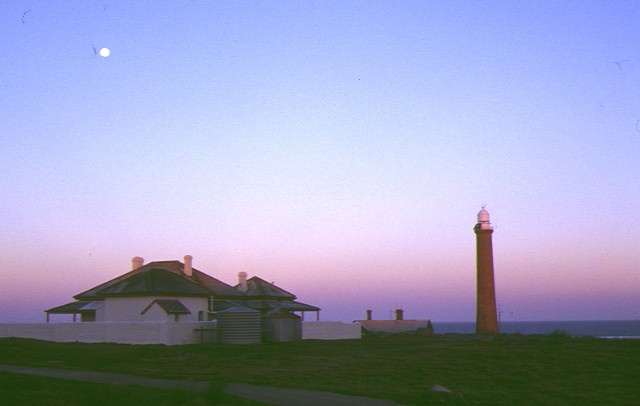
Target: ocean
595,328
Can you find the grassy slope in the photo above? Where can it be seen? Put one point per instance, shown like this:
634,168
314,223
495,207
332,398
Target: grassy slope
506,369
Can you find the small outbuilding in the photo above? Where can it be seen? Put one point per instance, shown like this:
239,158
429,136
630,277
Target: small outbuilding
281,326
399,325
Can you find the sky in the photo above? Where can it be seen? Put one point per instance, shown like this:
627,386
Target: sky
341,149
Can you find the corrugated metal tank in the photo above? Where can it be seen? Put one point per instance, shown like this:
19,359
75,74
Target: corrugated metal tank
239,325
280,326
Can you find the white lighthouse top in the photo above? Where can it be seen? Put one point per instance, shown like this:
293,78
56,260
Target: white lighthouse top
483,219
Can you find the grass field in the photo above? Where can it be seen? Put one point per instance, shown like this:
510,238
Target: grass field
507,369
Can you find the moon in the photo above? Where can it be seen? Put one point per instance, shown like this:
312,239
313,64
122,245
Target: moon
104,52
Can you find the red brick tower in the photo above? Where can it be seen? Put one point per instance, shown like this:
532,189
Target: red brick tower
486,314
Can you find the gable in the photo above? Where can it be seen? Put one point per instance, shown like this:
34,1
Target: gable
170,306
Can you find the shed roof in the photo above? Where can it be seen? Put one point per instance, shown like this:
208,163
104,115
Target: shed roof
395,326
81,306
266,305
280,314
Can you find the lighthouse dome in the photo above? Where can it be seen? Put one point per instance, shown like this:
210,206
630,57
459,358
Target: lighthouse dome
483,216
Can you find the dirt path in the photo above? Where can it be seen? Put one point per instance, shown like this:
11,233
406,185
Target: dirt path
270,395
300,397
102,377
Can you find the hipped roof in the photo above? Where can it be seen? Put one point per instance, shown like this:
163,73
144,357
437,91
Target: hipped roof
161,278
260,289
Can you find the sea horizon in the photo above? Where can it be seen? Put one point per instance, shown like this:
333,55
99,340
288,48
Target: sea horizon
589,328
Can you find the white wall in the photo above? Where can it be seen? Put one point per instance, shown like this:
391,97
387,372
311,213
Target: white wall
100,313
131,308
164,332
156,313
168,333
330,330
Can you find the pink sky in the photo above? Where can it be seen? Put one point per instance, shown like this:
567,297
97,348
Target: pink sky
337,149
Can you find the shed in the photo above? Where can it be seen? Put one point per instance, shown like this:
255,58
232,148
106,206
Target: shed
281,326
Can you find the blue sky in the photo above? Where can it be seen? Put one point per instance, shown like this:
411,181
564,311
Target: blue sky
339,149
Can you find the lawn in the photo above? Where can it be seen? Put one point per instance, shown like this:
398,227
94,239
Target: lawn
507,369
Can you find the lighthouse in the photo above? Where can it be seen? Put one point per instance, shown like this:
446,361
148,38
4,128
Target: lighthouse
486,314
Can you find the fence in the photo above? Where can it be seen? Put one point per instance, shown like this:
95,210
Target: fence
167,333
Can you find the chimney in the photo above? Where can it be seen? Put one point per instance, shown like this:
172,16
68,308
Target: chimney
399,314
369,312
136,262
187,265
242,281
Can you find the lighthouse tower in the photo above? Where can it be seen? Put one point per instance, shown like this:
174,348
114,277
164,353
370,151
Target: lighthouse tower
486,314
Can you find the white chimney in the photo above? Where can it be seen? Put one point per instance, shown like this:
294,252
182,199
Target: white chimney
136,262
242,281
187,265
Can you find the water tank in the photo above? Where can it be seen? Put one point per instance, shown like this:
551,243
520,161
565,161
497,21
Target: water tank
281,326
239,325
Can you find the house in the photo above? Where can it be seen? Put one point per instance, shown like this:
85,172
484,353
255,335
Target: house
173,291
267,297
173,303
